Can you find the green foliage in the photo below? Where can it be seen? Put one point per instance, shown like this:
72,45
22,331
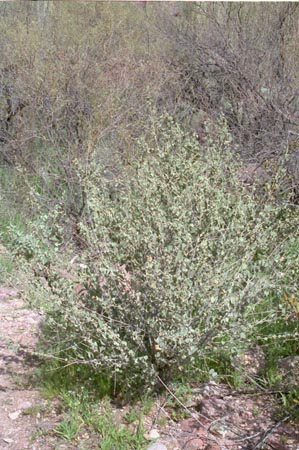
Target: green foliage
290,403
84,414
55,381
69,427
179,261
113,436
6,266
272,377
83,400
22,243
207,45
73,79
180,395
175,267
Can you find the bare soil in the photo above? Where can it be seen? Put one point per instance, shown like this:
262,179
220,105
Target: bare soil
22,422
224,420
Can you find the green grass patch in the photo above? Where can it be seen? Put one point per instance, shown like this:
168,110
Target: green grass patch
85,401
7,265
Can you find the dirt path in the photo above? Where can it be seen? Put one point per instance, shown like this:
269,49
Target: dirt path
20,419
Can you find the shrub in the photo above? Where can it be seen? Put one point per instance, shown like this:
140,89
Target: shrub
239,59
72,78
179,261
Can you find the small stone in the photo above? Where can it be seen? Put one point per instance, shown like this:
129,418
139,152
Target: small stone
252,361
288,369
194,401
194,444
31,320
46,426
219,428
152,434
157,446
212,447
8,440
25,405
14,415
188,425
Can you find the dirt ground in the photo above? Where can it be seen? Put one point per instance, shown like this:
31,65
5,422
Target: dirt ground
21,419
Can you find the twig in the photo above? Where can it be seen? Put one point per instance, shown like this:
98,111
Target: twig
247,438
182,404
269,431
259,394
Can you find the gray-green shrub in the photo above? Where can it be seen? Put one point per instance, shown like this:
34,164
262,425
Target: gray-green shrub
180,261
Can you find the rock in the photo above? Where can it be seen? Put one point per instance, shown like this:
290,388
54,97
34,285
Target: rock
194,401
25,405
152,434
194,444
207,408
46,426
251,362
210,388
289,370
31,320
156,446
219,428
212,447
14,415
189,425
7,440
